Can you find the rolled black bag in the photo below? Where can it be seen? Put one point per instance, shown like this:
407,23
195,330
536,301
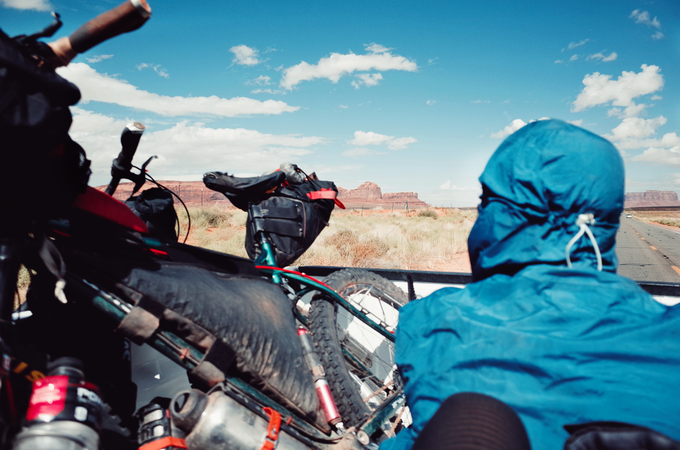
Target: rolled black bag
156,208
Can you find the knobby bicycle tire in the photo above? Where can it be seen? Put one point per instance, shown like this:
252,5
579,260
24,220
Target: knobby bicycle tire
329,337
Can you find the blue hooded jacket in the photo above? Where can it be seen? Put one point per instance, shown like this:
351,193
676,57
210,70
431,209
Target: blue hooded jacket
560,345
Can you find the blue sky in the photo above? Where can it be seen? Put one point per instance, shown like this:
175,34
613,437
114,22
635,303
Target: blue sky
412,95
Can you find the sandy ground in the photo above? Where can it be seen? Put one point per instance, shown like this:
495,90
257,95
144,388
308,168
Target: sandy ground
460,263
666,226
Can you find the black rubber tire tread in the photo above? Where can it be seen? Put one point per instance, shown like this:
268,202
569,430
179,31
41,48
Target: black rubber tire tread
325,337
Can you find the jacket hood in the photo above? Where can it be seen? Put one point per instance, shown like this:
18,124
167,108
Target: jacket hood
534,188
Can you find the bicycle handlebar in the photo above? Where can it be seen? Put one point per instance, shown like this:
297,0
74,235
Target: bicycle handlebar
124,18
121,166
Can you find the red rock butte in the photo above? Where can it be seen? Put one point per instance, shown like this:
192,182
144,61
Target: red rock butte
367,196
650,199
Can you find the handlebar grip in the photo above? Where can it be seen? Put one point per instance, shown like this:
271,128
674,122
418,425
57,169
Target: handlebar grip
124,18
121,166
129,140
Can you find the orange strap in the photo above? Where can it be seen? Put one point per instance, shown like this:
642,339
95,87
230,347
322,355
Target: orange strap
164,443
272,429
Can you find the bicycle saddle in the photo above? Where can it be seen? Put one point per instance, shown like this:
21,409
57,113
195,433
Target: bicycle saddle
243,186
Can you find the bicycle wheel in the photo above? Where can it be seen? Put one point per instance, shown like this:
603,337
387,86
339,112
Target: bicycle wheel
361,376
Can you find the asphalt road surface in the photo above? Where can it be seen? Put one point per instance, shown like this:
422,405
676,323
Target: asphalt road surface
648,252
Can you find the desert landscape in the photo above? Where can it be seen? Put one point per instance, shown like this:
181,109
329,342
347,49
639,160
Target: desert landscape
368,195
430,239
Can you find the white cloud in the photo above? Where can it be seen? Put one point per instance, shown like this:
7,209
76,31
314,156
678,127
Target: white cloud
573,58
401,143
643,18
156,67
449,186
38,5
337,65
631,111
367,79
668,140
480,101
363,138
657,97
97,58
578,123
262,80
573,45
601,89
559,61
430,102
377,48
103,88
343,106
634,128
244,55
660,156
612,57
507,131
188,149
514,126
658,35
268,91
359,152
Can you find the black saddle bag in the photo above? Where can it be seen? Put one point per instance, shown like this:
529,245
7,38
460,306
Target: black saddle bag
293,217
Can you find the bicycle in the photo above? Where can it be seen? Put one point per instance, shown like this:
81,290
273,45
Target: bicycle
352,315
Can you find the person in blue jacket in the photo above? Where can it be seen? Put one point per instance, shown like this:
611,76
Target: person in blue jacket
547,327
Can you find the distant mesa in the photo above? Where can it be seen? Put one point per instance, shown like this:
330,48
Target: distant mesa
368,195
649,199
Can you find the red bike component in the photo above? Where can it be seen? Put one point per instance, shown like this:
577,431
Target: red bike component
278,269
165,443
273,429
103,205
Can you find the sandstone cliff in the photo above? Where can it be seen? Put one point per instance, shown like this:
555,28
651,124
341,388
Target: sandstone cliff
651,199
369,195
194,193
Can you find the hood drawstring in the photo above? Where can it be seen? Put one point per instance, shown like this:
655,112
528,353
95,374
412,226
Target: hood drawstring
583,221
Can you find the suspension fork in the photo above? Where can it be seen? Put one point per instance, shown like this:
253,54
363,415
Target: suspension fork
266,255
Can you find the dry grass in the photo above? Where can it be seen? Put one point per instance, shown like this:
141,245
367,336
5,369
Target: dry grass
216,229
670,218
378,239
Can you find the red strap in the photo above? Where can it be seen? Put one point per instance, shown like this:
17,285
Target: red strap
272,429
165,442
326,193
323,193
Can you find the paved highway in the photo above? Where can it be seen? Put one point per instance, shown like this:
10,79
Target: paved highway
648,252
